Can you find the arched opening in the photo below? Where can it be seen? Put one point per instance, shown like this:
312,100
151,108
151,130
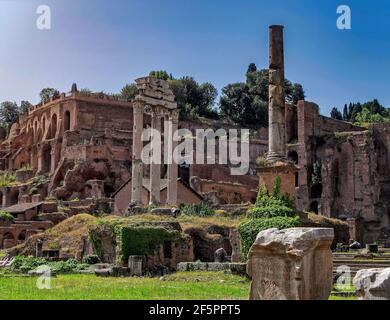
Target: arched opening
293,157
53,127
43,124
39,135
314,207
1,199
316,191
46,159
14,197
22,237
67,121
184,172
35,131
108,190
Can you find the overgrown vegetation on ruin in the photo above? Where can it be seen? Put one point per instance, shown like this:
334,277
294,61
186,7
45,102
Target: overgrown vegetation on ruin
130,236
275,210
6,217
197,210
143,240
7,180
22,264
249,229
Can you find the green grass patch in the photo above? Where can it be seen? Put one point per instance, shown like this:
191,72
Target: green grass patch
179,286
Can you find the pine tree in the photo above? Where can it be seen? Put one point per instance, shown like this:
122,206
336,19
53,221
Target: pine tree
345,113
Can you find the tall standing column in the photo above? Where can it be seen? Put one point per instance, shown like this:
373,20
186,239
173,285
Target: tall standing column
172,164
155,165
277,130
137,167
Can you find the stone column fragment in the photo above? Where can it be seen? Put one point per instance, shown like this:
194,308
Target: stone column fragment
292,264
137,166
155,165
172,164
277,130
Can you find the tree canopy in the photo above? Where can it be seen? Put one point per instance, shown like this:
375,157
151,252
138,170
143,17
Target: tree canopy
368,112
336,114
246,103
48,93
194,99
9,113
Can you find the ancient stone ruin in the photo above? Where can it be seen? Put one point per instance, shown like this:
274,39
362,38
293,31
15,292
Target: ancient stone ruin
81,153
292,264
373,284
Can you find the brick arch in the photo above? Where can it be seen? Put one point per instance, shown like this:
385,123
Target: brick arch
21,235
14,196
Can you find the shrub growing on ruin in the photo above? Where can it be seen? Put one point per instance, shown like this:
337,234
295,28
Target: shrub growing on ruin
7,217
275,210
130,237
198,210
276,198
91,259
249,229
270,212
22,264
6,180
143,240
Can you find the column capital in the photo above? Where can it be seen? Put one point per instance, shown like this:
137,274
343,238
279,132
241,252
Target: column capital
138,107
174,115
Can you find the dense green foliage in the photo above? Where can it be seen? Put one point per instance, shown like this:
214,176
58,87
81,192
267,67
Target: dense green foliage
130,237
249,229
24,106
194,99
9,113
129,91
336,114
273,210
5,216
23,264
6,180
198,210
247,103
276,198
143,240
367,117
48,93
369,112
270,212
91,259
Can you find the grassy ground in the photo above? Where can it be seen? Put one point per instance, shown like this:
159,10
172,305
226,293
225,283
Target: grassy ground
178,286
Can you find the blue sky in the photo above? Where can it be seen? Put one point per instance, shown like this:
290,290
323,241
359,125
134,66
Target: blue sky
104,44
